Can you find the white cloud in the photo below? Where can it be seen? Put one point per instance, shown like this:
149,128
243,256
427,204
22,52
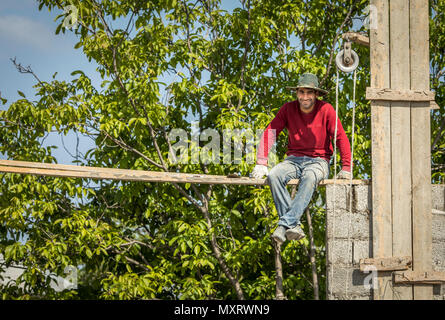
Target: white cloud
26,32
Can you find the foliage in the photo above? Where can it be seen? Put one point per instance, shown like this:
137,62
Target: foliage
164,65
437,50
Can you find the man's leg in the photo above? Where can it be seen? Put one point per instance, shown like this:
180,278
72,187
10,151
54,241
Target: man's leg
313,172
278,178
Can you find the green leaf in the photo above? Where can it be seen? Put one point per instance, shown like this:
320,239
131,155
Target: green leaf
236,213
77,72
88,252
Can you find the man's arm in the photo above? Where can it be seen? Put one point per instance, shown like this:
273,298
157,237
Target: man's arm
341,140
268,138
270,135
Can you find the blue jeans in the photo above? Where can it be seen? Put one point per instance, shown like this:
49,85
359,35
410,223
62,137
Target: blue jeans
310,171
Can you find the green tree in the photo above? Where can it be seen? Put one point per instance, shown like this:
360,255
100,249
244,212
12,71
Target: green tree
165,240
437,52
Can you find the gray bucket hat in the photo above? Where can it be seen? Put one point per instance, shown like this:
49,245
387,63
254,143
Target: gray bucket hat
309,80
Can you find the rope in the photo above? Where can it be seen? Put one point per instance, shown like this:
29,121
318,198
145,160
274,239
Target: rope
350,179
335,171
353,130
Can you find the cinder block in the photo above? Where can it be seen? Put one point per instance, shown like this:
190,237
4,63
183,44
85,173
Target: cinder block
362,198
339,251
342,296
336,196
343,224
438,253
342,197
438,234
438,196
347,282
360,250
438,227
347,253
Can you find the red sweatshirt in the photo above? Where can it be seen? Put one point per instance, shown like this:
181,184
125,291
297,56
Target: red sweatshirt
309,134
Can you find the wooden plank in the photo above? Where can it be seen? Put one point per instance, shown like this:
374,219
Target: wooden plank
399,95
136,175
435,211
72,171
386,264
421,147
356,38
400,137
381,148
419,277
434,105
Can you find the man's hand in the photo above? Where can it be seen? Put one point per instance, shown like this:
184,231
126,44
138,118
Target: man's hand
344,175
259,171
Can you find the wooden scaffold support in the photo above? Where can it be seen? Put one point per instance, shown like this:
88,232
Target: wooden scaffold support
72,171
401,157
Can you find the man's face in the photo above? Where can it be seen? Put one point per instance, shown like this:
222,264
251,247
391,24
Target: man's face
306,98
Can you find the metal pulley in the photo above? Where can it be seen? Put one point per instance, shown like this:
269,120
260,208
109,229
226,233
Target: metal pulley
347,59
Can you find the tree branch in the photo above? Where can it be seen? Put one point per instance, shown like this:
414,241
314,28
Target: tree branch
217,252
312,255
438,134
279,290
246,50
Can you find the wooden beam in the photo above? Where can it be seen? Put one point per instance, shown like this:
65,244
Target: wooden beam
421,146
381,147
435,211
419,277
357,38
386,264
84,172
400,137
434,105
399,95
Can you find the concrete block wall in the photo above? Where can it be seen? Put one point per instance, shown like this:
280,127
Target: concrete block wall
438,232
349,239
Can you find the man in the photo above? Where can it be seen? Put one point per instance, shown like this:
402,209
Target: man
311,127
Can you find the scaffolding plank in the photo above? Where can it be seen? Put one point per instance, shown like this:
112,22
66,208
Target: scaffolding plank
400,136
357,38
72,171
399,95
419,277
386,264
381,147
421,147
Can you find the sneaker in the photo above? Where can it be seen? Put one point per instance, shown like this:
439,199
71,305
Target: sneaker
295,233
279,234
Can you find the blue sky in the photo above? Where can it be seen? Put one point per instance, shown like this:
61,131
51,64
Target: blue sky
28,35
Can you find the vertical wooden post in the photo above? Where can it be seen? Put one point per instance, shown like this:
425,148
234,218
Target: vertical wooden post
420,145
381,147
401,158
400,136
